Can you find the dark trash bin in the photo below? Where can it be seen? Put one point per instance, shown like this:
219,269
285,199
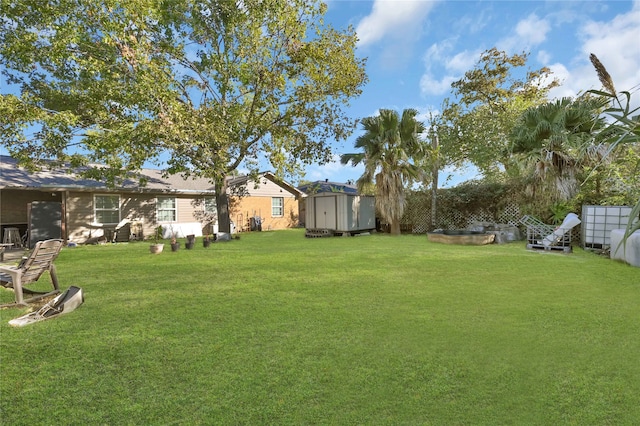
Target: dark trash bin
255,223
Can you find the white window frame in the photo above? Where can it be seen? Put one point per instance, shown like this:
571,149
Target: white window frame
174,209
275,206
96,210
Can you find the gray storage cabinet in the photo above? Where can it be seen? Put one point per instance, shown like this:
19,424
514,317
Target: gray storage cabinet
340,212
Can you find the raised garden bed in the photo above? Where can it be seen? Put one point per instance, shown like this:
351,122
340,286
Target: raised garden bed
462,237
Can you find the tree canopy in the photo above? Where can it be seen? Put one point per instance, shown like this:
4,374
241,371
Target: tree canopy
489,99
216,84
558,140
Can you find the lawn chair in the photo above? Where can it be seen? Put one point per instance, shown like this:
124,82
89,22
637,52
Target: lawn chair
30,270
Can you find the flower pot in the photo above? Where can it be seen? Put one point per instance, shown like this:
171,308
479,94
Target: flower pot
175,246
206,242
156,248
191,240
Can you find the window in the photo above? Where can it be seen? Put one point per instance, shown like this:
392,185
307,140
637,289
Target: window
210,205
277,207
106,209
166,210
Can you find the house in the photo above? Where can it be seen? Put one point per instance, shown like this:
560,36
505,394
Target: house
62,204
266,204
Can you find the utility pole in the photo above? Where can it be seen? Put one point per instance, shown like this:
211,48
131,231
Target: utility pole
434,177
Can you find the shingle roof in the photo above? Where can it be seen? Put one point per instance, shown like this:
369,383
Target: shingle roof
12,176
242,180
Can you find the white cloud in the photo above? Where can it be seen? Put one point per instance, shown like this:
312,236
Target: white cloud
437,51
528,32
399,18
432,86
543,57
463,61
564,76
533,30
454,66
615,43
334,171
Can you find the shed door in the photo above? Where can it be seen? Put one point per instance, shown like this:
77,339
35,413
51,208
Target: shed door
326,212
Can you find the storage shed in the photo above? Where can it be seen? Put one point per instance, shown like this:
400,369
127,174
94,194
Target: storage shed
329,213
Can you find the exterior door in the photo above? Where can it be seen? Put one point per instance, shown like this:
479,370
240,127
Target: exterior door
45,221
326,212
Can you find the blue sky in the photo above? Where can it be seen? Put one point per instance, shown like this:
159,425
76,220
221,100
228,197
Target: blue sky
416,48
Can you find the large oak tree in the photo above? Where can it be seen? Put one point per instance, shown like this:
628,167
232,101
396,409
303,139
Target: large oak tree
215,84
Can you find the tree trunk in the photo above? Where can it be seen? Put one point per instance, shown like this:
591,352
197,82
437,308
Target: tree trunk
222,205
434,183
395,227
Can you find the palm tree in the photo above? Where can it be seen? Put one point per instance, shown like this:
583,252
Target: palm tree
557,140
390,145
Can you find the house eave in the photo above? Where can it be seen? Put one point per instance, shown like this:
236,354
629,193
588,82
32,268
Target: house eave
80,188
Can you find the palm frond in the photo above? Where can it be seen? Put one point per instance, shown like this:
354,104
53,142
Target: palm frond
354,159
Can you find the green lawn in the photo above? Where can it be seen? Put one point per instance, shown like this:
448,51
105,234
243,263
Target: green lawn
278,329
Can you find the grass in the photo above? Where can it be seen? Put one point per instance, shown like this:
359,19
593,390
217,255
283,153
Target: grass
279,329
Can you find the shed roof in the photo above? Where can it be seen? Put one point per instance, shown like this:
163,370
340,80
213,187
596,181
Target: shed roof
326,186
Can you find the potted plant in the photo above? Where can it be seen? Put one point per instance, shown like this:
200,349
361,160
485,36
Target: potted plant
175,245
157,246
206,241
191,241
